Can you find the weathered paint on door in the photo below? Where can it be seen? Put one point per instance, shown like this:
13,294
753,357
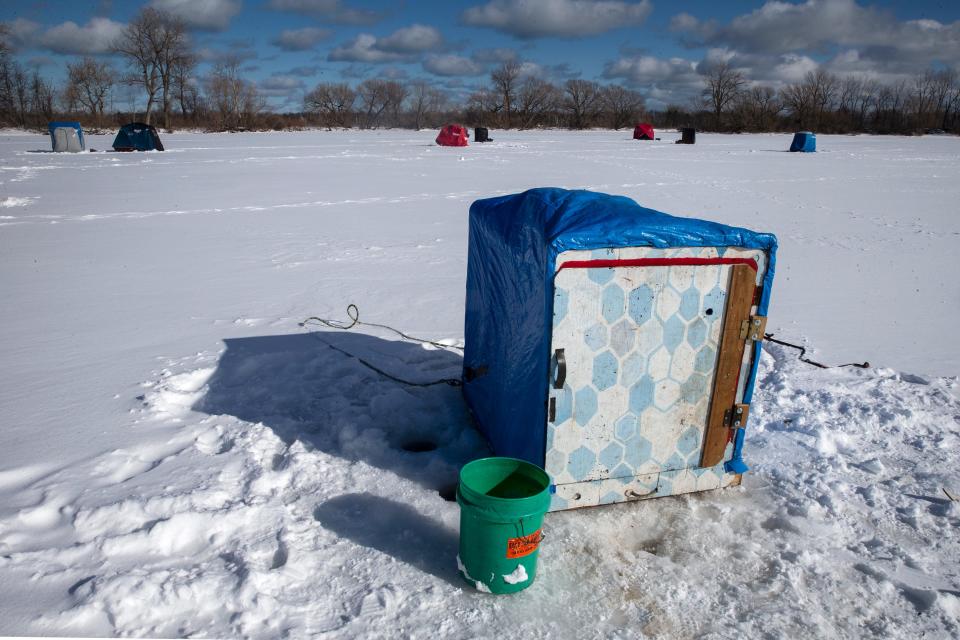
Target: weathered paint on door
640,350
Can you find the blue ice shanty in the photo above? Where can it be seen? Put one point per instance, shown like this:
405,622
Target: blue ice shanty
804,141
66,136
137,136
614,345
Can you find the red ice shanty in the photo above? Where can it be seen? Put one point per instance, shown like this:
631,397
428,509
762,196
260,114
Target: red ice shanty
643,131
453,135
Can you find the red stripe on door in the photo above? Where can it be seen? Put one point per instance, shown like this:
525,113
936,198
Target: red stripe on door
655,262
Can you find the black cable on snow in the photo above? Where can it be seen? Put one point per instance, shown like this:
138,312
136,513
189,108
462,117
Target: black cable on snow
354,314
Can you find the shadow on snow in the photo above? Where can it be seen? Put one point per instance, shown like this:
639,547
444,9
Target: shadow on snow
395,529
306,391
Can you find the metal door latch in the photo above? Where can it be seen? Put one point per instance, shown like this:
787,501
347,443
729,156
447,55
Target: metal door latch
753,328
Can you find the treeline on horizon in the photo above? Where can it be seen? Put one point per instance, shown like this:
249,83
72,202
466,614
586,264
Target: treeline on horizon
160,63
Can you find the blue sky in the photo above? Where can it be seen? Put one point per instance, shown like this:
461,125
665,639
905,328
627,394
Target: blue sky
659,47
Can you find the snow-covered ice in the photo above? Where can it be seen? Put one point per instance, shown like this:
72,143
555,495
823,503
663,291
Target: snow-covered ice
179,457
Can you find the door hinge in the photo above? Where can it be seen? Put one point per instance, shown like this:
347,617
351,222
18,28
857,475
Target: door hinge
753,327
552,410
736,417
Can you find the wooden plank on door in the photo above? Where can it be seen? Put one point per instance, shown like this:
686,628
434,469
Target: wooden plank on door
729,359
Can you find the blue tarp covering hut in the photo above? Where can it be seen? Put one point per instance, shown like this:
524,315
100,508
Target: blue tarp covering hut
804,141
137,136
66,136
512,296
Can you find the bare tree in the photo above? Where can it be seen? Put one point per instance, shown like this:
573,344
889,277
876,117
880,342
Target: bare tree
332,102
760,107
185,87
798,101
482,103
372,94
41,97
822,86
890,106
135,44
234,100
951,100
866,102
724,84
582,100
505,79
89,83
17,88
621,106
8,80
424,100
397,94
535,99
170,47
943,87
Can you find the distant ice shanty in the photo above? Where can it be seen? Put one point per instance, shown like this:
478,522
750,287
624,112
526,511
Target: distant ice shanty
643,131
137,136
804,141
453,135
66,136
614,345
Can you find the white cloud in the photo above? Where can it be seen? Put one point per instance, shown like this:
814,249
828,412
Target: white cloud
281,85
401,45
21,32
301,39
329,10
393,73
792,68
411,39
97,36
211,15
363,48
498,55
452,65
824,26
663,80
559,18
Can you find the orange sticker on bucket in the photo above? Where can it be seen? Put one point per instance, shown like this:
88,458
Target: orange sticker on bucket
524,546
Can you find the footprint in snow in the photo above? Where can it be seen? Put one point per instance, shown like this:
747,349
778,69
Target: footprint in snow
121,465
212,442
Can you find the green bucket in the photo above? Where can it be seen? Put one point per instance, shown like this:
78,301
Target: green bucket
502,504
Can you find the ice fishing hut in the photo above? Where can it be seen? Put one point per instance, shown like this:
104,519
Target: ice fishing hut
137,136
614,345
643,131
453,135
66,136
804,141
688,135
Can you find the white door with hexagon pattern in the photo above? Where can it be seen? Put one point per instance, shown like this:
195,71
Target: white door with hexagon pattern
634,352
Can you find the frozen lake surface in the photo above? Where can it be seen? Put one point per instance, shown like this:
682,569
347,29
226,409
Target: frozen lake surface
179,457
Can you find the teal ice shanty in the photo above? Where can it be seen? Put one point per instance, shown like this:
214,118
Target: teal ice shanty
613,345
66,136
137,136
804,141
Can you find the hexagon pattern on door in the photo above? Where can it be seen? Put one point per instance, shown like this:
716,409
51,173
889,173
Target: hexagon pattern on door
640,345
